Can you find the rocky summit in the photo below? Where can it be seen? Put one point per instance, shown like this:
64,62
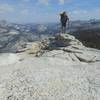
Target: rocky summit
55,68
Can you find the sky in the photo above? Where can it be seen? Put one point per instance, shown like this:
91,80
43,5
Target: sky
25,11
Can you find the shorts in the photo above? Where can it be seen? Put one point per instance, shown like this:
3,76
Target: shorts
63,24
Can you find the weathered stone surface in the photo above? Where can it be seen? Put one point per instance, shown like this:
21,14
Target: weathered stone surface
68,39
8,58
71,49
33,48
62,40
49,78
74,57
61,54
58,47
85,57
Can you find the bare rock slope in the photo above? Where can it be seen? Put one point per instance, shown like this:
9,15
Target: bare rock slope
57,68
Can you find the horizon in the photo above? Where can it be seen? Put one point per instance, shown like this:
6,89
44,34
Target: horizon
4,20
47,11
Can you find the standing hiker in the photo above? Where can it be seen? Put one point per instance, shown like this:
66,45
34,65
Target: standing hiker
64,19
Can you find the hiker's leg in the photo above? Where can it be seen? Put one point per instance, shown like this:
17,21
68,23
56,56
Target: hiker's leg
62,29
65,28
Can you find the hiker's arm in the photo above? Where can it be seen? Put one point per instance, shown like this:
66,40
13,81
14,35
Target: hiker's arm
67,18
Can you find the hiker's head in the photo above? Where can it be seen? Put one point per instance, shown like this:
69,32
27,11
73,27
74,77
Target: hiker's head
63,13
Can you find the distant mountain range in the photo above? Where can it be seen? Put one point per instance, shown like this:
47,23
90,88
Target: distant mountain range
47,28
13,33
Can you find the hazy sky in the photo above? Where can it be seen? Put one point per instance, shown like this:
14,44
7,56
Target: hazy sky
48,10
